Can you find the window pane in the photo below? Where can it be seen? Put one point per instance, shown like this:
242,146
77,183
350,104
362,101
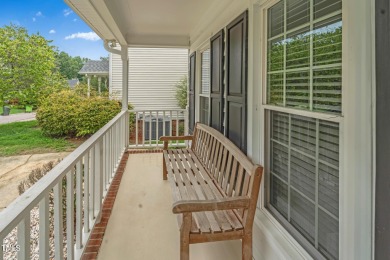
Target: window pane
276,19
298,13
298,49
205,88
275,89
279,195
327,42
302,215
279,164
303,174
275,55
298,90
204,110
325,7
327,90
328,235
280,128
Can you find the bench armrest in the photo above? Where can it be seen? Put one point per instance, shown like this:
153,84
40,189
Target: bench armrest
166,139
183,206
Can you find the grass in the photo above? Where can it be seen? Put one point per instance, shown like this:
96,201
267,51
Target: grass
14,110
27,138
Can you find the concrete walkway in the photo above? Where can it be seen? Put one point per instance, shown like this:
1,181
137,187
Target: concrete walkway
15,169
17,118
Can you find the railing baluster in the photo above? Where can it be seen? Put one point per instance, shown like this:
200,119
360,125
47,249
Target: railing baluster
177,126
86,193
150,128
98,178
58,222
69,214
143,129
136,129
170,124
92,189
79,201
157,123
44,228
24,238
163,123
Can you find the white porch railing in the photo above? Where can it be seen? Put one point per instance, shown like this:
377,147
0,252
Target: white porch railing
88,172
149,125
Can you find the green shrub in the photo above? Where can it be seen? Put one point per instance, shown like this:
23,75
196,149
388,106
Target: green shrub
94,114
58,113
181,93
69,113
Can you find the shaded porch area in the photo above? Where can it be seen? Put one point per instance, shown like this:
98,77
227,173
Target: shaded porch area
142,225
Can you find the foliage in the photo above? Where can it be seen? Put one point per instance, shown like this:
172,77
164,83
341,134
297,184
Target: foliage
181,92
94,113
27,138
27,66
68,113
70,66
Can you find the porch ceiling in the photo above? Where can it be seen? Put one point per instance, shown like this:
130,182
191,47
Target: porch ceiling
167,23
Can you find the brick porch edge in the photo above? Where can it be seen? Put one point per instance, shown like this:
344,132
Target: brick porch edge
95,240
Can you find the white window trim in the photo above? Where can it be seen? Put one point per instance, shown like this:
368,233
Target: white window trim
198,85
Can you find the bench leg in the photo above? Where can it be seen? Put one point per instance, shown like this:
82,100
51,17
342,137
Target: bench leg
185,237
165,173
247,247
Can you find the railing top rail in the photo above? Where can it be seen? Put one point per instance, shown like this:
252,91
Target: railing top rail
22,205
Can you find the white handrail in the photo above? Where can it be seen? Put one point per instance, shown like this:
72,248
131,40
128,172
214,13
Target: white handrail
99,148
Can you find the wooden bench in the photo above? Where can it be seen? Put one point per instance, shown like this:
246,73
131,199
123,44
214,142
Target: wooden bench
215,189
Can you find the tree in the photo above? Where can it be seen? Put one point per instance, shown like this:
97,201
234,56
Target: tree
27,66
70,66
181,93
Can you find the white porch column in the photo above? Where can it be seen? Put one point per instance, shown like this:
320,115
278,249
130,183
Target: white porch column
125,77
99,85
125,90
89,85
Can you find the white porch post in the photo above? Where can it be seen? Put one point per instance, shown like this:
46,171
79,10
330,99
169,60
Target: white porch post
89,85
125,90
99,84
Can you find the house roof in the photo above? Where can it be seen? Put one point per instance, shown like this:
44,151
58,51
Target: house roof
156,23
95,67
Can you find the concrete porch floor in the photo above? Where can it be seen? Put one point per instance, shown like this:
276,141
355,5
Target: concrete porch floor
142,225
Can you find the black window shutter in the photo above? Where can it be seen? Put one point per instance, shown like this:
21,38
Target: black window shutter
236,87
191,93
216,73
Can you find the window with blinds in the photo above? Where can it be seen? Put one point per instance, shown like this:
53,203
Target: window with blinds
304,177
205,88
304,55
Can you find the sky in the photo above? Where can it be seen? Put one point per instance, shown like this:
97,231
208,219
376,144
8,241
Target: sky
55,21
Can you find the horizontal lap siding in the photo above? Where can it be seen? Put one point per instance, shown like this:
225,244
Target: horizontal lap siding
153,74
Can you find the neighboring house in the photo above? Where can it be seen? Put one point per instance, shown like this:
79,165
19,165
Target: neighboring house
73,82
96,68
153,75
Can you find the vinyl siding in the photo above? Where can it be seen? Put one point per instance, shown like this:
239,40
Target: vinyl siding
153,74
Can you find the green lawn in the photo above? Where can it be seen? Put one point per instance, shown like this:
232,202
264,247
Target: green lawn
13,110
27,138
